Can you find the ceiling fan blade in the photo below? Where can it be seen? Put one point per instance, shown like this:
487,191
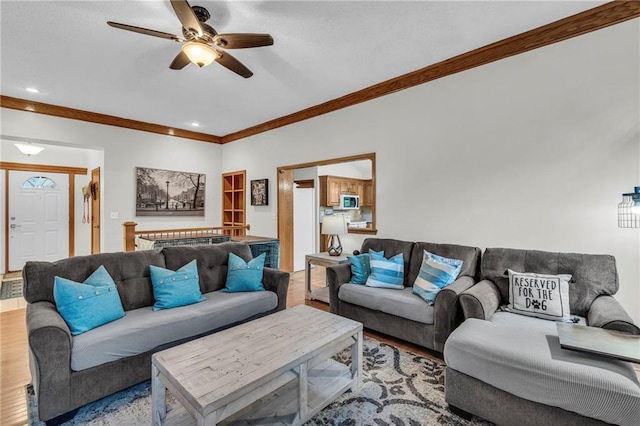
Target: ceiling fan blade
180,61
145,31
187,18
242,40
233,64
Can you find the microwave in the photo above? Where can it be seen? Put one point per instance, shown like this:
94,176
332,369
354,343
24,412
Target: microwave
349,202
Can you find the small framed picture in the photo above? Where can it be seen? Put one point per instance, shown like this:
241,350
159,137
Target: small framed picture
260,192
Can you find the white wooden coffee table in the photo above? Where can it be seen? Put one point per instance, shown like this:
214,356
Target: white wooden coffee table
274,370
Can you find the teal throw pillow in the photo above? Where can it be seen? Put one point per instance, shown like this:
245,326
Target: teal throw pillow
436,272
175,288
85,306
360,268
244,276
386,273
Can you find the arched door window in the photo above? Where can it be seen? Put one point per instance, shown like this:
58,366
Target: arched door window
39,182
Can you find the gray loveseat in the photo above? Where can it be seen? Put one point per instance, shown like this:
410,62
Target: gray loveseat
511,369
68,371
400,313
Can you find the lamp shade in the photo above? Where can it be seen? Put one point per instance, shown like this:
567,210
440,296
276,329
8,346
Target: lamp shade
29,148
334,225
199,53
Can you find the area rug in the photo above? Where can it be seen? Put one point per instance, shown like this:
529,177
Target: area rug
399,389
10,289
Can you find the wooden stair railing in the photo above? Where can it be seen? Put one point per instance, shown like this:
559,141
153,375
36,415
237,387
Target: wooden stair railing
130,233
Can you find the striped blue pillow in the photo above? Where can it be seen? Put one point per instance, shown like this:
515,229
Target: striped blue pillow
436,273
386,273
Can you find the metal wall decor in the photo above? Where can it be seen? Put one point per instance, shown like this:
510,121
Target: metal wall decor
629,210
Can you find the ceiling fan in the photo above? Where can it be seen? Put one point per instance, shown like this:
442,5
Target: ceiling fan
201,43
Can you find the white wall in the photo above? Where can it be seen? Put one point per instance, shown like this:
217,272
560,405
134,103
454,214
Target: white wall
353,169
529,152
123,150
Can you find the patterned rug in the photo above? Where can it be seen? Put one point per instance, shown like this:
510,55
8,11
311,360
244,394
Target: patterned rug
399,389
10,289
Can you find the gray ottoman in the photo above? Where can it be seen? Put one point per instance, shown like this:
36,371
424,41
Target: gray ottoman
512,370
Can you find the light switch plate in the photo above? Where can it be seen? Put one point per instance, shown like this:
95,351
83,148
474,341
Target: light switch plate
113,215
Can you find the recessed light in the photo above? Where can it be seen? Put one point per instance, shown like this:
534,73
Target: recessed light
195,124
32,90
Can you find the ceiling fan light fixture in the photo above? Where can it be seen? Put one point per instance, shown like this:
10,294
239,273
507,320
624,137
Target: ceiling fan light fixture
199,53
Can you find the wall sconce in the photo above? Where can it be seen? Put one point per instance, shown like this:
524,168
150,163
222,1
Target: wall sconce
629,210
334,226
29,148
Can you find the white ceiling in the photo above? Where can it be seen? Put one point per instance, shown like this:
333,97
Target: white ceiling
322,50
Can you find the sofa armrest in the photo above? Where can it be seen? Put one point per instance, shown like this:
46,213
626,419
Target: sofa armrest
606,312
277,281
336,276
49,358
481,300
447,315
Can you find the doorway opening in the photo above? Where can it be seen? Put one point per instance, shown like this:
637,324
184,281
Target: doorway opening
286,204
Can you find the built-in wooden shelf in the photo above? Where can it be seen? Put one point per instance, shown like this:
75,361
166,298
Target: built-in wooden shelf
233,200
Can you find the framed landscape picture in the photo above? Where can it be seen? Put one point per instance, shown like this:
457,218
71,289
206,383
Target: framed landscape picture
260,192
169,193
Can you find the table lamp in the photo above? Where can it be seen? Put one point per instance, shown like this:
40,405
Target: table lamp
334,226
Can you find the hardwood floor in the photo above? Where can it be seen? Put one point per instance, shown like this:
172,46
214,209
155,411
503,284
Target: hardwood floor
14,368
14,357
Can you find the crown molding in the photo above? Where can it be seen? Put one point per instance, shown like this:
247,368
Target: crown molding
585,22
603,16
109,120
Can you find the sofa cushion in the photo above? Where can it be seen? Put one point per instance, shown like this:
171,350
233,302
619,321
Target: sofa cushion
244,276
391,247
470,257
143,329
129,270
88,305
532,365
539,295
175,288
212,261
436,273
401,303
386,273
592,274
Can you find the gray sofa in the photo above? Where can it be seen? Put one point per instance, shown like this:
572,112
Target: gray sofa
400,313
70,371
510,369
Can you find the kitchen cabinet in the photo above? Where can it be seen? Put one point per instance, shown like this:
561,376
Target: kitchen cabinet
331,187
348,186
367,194
360,190
329,191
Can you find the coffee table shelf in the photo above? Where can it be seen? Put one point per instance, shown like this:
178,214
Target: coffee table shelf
326,382
277,369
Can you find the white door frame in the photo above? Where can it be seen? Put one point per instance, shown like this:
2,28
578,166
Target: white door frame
40,168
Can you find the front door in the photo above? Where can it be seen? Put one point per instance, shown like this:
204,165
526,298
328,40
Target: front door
38,217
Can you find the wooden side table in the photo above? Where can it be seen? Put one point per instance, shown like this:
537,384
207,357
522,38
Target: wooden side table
322,259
